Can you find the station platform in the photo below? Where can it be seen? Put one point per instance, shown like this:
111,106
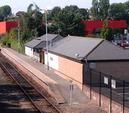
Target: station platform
58,85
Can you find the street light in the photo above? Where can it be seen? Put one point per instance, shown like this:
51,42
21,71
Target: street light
47,39
18,37
45,12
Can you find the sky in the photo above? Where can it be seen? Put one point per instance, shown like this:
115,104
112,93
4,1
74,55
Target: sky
21,5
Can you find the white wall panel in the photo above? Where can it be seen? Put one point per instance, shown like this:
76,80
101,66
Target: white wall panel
52,60
29,51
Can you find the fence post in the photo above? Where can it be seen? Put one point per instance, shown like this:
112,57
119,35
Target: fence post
90,84
110,94
123,96
100,89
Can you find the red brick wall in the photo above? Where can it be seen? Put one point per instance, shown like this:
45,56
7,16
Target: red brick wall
10,25
7,26
71,68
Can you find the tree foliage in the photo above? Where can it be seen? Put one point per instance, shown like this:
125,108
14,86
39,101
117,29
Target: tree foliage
5,11
117,11
95,9
99,9
31,23
104,7
106,31
68,20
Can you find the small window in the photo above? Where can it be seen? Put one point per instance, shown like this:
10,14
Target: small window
93,65
51,58
113,84
106,80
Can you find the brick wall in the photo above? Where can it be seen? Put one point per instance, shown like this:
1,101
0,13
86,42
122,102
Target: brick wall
105,102
67,67
71,68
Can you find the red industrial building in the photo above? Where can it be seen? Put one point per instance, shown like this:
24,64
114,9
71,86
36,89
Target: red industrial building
6,26
91,26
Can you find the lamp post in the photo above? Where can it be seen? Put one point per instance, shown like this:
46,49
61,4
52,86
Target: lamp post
18,35
47,40
45,12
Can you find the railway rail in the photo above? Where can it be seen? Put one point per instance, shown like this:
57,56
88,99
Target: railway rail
40,101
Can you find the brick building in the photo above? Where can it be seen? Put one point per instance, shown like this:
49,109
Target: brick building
33,48
93,64
76,57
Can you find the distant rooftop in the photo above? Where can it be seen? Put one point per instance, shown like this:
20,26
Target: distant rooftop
108,51
40,40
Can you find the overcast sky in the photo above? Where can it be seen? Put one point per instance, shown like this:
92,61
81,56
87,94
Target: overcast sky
21,5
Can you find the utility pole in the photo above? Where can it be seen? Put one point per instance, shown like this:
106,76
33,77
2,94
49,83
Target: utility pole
47,40
18,35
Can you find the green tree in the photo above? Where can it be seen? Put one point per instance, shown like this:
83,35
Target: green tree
99,9
117,11
84,13
54,14
104,7
13,33
71,24
31,23
5,12
95,9
106,31
30,8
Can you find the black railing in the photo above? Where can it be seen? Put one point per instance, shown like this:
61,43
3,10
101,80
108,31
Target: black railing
115,89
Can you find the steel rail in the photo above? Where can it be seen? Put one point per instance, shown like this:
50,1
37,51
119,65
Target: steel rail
7,71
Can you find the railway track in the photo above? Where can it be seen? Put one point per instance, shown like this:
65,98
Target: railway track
40,101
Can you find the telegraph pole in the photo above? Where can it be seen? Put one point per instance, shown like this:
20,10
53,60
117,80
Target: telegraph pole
47,40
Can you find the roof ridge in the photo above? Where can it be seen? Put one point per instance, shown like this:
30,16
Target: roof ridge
85,37
93,49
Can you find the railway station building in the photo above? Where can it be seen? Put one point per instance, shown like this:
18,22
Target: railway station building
34,47
97,66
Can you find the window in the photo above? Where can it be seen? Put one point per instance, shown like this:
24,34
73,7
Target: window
92,65
51,58
113,83
106,80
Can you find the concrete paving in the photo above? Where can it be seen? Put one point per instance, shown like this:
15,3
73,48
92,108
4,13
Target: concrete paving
71,101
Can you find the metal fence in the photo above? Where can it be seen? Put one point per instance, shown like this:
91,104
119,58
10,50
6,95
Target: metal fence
109,86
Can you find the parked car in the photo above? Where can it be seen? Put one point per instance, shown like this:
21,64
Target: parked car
125,42
122,41
116,39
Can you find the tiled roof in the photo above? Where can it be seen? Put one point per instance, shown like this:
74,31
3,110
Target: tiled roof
35,42
108,51
75,47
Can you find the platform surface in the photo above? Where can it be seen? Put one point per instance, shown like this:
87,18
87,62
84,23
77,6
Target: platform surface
58,84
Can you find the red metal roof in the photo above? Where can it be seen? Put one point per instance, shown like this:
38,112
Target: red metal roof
7,26
91,26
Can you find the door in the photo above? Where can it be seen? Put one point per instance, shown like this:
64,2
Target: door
42,57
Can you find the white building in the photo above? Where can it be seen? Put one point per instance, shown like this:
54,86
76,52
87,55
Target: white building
34,47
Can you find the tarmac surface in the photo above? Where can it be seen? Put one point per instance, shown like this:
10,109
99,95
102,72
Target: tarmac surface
70,101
